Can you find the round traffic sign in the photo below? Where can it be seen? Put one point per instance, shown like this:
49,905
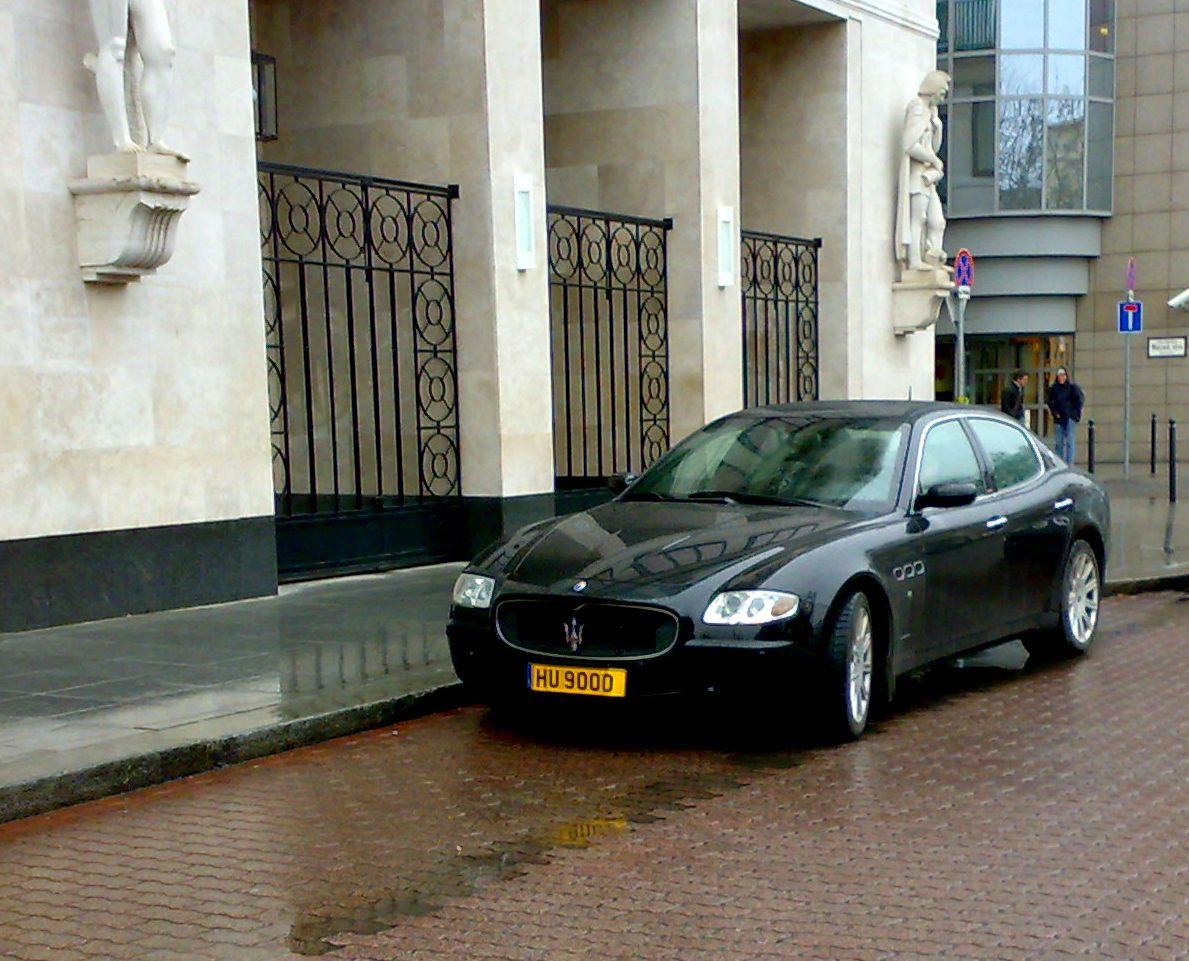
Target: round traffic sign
964,268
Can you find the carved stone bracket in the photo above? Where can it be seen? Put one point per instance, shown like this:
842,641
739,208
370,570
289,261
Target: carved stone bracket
917,298
128,207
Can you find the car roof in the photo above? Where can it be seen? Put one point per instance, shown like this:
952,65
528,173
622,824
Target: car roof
908,411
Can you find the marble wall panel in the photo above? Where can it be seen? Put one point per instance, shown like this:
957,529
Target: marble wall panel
104,408
39,75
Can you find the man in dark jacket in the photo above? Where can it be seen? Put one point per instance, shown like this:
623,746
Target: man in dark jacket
1065,401
1012,403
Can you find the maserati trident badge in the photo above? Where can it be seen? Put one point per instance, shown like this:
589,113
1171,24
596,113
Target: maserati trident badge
573,634
580,586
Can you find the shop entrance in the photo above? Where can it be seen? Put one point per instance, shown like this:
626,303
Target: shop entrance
991,362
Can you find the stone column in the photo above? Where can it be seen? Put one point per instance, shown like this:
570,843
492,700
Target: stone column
705,359
503,311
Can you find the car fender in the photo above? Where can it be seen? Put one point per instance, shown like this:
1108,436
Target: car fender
825,578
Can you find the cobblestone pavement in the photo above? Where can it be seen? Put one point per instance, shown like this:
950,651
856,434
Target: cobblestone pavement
1000,812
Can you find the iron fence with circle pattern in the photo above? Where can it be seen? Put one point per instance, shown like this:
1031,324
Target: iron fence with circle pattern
608,306
360,331
780,318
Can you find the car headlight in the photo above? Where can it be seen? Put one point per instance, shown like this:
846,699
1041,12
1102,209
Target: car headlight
751,607
473,590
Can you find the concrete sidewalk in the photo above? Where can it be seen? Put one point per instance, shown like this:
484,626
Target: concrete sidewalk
90,710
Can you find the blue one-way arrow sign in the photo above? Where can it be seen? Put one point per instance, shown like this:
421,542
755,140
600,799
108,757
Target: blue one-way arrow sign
1131,316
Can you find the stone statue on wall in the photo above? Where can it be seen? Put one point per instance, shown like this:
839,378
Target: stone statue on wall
920,221
128,205
132,71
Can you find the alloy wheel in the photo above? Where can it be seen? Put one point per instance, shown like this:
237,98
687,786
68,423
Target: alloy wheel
1082,597
859,666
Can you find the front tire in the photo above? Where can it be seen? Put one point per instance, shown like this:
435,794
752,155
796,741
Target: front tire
850,670
1080,597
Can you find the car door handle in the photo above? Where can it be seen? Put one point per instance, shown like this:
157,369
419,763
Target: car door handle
996,522
1063,503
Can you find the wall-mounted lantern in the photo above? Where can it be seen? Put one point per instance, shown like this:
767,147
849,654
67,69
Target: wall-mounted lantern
523,212
728,246
264,95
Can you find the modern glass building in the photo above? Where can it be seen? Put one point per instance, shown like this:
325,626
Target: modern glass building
1029,174
1031,111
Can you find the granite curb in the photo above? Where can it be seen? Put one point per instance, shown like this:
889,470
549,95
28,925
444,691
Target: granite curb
54,791
1141,585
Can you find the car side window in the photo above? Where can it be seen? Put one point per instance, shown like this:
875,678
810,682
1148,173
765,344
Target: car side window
1012,456
948,458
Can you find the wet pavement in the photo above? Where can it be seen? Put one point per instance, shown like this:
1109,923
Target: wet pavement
1002,812
92,709
1149,534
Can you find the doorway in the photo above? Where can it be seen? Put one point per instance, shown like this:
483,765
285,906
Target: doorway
991,362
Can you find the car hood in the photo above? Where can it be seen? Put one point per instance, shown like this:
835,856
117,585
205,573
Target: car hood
652,549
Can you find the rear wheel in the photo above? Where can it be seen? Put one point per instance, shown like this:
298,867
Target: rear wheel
850,670
1080,597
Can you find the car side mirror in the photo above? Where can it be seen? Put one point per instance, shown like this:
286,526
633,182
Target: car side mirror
621,481
947,495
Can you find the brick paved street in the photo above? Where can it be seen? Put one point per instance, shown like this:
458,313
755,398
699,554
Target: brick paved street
997,813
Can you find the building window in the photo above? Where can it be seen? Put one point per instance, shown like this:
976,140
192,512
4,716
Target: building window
1020,159
975,24
1030,116
1102,26
1021,28
1067,25
1065,154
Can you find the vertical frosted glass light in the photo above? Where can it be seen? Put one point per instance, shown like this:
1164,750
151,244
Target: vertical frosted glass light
728,244
526,244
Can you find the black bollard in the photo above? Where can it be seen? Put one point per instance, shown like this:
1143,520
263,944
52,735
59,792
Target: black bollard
1172,461
1152,446
1090,448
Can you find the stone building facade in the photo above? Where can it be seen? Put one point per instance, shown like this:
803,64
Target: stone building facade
162,434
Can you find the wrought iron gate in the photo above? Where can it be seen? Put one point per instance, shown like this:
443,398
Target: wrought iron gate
359,315
780,318
608,306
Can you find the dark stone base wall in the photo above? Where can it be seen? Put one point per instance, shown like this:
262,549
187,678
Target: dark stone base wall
46,581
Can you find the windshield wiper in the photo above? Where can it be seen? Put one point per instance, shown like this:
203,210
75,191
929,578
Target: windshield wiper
746,497
799,502
725,497
649,496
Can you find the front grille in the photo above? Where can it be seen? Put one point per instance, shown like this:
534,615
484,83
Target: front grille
588,629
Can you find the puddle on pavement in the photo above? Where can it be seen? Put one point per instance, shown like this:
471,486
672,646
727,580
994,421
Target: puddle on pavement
465,872
579,834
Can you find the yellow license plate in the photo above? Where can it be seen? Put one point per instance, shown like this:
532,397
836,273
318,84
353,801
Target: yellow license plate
601,682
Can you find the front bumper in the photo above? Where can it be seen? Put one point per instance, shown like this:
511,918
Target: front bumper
695,666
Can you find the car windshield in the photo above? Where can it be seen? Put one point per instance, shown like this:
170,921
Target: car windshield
850,463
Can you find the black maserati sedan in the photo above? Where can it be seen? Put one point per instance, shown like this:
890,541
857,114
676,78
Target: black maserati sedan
815,551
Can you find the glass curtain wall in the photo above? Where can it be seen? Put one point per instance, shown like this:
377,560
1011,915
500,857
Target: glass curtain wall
1030,116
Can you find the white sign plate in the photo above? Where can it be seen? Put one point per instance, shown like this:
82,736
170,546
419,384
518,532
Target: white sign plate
1166,346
